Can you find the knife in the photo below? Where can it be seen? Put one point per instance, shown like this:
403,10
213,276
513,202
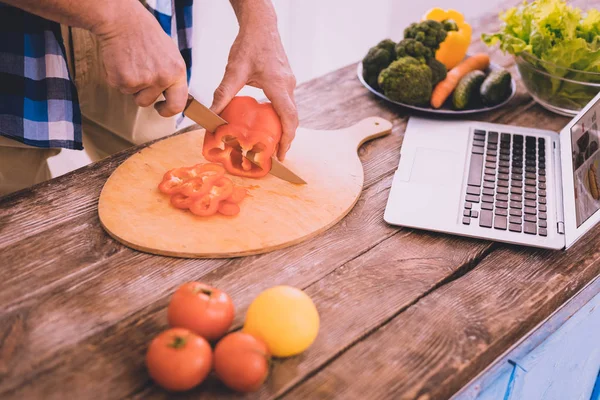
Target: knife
206,118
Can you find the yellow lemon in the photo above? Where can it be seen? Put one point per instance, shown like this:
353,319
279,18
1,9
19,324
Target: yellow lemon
285,318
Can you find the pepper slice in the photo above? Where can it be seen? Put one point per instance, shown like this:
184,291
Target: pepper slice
252,127
221,189
180,201
237,195
205,206
196,187
211,169
174,179
229,209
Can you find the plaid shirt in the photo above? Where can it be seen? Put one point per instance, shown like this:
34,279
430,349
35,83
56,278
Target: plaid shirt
38,99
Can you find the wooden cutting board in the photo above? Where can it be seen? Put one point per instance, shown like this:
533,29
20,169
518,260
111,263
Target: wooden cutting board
276,214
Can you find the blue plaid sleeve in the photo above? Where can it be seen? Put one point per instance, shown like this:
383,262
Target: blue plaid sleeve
38,99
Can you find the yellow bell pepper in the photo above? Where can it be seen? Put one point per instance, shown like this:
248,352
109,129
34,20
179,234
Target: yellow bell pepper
454,49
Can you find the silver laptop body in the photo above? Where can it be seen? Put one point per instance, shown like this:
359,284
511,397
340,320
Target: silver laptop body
505,183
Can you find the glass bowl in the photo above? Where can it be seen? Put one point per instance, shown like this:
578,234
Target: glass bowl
561,90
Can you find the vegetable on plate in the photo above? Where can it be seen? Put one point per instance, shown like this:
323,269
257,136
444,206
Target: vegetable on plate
430,33
467,92
444,89
454,47
407,80
496,87
377,59
252,127
413,48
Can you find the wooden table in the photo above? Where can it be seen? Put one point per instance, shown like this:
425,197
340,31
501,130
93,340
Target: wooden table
405,313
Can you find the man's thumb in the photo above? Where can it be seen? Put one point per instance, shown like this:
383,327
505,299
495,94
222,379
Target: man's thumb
230,85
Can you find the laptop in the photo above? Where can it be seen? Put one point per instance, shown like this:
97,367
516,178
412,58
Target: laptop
504,183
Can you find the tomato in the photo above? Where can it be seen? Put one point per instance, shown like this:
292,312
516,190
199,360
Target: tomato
229,209
242,362
202,309
181,201
178,360
237,195
285,318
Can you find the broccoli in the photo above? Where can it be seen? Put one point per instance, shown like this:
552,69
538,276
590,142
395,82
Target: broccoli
449,25
438,71
407,80
415,49
430,33
378,58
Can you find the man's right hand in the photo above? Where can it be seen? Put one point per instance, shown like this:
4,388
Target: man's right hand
142,60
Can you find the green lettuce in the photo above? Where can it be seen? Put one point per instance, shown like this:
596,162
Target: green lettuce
558,39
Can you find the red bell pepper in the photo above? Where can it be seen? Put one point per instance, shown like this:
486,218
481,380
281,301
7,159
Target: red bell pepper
252,127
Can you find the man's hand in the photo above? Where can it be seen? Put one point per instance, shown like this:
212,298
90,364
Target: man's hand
140,59
257,58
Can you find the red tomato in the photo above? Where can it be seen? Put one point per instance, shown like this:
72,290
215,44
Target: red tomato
229,209
202,309
178,360
242,362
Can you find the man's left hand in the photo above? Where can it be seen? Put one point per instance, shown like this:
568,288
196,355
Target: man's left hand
257,58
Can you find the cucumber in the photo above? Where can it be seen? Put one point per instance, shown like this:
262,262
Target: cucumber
496,88
467,92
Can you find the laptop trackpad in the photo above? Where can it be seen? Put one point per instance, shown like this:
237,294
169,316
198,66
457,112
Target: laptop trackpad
434,166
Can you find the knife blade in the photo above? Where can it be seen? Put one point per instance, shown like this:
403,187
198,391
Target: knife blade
209,120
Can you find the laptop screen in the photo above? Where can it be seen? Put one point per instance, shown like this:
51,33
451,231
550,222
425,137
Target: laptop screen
585,140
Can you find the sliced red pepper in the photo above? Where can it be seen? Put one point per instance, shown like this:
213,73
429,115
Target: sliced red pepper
181,201
205,206
196,187
222,188
252,127
237,195
214,169
174,179
229,209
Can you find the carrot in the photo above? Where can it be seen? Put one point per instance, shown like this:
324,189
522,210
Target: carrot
444,89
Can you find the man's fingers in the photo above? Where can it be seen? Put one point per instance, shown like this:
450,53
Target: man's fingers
233,81
285,107
176,98
147,96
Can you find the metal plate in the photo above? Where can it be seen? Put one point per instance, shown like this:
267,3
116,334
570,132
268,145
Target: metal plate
446,108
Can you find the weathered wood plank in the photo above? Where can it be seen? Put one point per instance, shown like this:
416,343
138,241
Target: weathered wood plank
405,265
56,323
435,347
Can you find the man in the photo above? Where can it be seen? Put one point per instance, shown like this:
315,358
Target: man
85,73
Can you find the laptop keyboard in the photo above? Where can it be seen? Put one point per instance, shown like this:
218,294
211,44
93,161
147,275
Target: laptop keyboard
506,187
